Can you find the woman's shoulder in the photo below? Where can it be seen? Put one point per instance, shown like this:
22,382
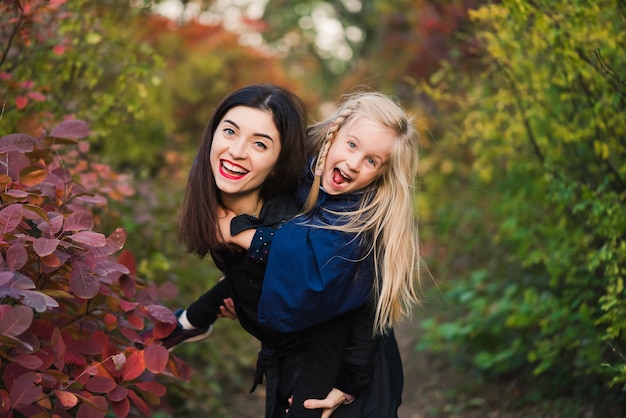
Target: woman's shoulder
279,208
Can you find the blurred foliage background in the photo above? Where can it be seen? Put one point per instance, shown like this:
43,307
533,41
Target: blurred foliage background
522,186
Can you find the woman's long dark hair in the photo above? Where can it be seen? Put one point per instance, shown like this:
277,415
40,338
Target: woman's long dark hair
198,229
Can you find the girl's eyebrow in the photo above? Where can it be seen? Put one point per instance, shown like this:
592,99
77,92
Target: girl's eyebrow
255,134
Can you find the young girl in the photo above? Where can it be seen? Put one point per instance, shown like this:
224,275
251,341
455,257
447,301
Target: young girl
355,243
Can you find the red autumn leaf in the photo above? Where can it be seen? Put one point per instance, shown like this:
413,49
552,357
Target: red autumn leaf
16,256
114,243
92,345
74,129
51,260
161,313
17,143
127,258
10,218
130,334
39,301
179,368
110,319
91,238
52,226
83,282
155,388
58,346
44,246
24,391
15,320
118,394
94,407
128,283
156,357
162,329
134,366
135,321
127,306
28,361
121,408
141,404
106,267
79,220
21,102
100,384
67,399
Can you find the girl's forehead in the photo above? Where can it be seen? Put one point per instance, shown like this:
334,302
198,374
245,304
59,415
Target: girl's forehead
365,124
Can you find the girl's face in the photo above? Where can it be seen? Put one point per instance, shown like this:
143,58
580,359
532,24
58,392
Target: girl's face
356,156
245,148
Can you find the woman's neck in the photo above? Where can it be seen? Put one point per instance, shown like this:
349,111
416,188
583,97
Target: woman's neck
244,205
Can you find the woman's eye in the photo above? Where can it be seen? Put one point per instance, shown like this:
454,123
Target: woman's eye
229,131
260,144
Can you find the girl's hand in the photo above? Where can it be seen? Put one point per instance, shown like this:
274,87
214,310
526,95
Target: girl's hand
224,216
242,239
333,400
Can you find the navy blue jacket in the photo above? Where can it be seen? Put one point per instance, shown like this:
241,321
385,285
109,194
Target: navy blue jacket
334,274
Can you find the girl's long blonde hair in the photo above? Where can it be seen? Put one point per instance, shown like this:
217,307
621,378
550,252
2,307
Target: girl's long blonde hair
386,215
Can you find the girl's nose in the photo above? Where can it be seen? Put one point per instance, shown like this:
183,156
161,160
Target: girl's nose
353,163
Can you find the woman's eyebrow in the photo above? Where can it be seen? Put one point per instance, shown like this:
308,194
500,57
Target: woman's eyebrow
255,134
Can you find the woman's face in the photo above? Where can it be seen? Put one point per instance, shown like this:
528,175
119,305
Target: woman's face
245,148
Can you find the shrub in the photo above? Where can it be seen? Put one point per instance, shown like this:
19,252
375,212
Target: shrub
70,313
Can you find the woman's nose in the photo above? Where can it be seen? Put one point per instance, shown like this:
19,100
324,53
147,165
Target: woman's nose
238,148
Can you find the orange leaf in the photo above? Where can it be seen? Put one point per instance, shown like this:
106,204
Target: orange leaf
67,399
134,366
32,175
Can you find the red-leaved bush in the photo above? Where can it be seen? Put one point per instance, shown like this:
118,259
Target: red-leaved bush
70,312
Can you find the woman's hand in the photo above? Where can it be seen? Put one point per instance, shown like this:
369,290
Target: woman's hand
228,309
334,400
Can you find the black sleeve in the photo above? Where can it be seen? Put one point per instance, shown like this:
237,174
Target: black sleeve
359,355
203,312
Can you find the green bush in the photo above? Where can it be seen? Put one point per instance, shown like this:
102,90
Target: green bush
544,127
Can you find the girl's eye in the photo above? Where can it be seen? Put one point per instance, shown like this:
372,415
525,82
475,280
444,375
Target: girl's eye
371,162
351,144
